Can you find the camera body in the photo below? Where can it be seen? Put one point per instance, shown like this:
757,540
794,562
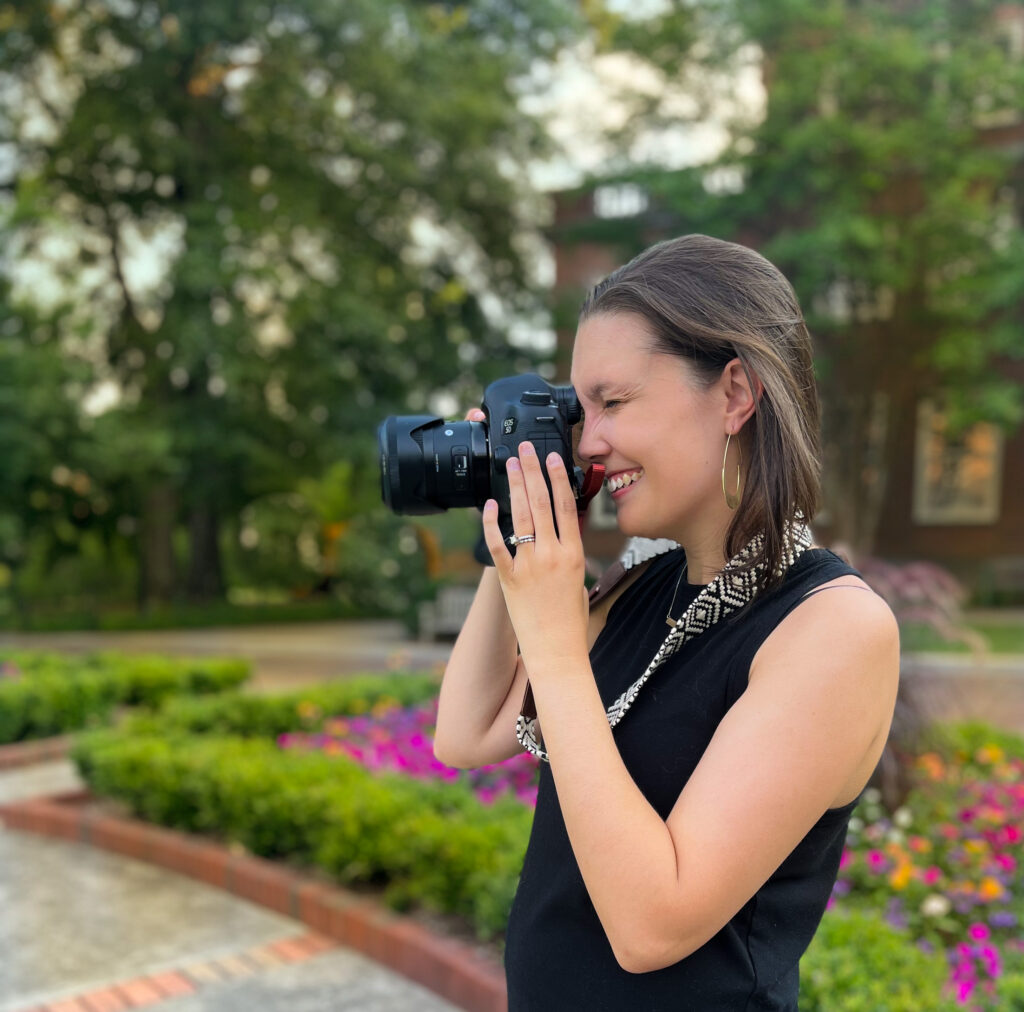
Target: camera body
429,465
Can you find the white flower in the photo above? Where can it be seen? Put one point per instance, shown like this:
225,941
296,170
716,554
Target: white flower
872,796
903,818
856,825
935,905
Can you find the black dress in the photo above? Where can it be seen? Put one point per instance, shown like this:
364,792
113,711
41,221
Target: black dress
557,957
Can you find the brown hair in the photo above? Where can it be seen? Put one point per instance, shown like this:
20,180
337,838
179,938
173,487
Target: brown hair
711,301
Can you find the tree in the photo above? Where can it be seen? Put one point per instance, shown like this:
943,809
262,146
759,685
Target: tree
877,178
331,199
44,499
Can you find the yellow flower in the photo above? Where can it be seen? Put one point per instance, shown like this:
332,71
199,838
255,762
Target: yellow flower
384,706
900,876
976,846
989,754
990,888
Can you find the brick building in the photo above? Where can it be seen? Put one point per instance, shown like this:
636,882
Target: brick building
959,504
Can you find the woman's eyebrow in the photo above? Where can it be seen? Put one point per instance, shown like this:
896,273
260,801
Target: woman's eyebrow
598,391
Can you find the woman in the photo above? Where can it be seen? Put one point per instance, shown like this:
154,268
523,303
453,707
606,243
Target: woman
682,860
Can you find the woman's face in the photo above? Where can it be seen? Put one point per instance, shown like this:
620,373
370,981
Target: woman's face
658,434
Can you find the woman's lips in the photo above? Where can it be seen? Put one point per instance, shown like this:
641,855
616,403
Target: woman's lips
621,482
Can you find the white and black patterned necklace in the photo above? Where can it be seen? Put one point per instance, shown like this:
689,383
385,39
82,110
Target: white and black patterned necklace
730,591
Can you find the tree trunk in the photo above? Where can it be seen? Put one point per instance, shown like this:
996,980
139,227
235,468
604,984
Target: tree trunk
156,545
205,574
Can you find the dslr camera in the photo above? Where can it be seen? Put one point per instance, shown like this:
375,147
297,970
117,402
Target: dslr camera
428,465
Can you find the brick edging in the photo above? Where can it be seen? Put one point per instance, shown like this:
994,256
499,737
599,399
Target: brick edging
40,750
443,965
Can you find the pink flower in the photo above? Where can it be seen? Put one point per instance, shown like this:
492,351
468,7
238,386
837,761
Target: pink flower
979,932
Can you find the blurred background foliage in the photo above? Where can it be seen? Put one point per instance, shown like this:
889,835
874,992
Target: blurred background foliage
236,235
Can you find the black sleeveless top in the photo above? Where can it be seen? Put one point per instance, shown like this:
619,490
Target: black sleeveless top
557,957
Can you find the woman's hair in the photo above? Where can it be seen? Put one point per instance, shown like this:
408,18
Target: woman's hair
709,302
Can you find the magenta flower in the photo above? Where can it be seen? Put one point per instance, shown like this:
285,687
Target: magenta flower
877,861
399,740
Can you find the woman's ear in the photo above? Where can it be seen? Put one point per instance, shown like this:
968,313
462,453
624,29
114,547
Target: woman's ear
743,390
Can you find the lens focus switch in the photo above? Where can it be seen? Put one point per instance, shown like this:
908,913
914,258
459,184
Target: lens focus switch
460,468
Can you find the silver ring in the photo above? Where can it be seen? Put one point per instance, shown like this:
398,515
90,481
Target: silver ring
515,539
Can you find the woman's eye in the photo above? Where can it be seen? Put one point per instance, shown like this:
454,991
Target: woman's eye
608,405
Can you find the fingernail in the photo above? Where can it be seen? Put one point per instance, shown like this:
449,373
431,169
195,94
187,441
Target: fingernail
554,460
526,449
512,464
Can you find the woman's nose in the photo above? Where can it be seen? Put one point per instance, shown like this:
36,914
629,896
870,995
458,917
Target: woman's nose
592,445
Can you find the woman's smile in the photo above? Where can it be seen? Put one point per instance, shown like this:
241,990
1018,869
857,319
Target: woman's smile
622,481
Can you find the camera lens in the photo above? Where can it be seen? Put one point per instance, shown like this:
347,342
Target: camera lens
428,465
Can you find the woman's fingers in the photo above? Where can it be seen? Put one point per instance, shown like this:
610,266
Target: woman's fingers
493,539
537,491
566,515
475,415
519,500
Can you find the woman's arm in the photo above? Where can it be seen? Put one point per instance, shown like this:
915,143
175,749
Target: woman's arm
483,685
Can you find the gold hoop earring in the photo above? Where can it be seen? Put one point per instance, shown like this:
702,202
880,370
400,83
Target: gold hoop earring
732,499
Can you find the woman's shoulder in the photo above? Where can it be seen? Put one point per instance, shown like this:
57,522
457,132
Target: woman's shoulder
827,597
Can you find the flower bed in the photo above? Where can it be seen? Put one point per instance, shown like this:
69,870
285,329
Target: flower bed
400,740
926,912
44,694
946,870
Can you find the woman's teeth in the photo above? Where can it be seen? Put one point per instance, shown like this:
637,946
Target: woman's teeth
624,479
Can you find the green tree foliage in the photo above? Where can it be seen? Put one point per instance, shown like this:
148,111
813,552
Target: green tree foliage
331,200
43,504
883,177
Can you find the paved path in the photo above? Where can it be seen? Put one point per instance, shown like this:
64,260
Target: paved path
82,930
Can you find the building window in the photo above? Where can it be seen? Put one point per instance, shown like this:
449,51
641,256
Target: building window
623,201
957,479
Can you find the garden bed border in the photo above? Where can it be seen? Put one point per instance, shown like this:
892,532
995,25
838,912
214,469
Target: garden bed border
35,750
445,966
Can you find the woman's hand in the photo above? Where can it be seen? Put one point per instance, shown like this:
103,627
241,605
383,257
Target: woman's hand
543,583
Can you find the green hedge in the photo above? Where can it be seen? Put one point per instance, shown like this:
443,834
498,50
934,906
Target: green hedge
252,716
429,844
45,694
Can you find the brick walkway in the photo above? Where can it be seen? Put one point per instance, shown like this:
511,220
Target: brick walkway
82,930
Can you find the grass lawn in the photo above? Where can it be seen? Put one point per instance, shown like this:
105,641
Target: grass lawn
1002,638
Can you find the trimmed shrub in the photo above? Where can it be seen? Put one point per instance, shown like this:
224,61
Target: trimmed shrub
46,694
306,709
428,844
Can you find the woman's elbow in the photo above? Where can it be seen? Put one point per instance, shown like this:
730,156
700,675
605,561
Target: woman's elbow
649,954
443,753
